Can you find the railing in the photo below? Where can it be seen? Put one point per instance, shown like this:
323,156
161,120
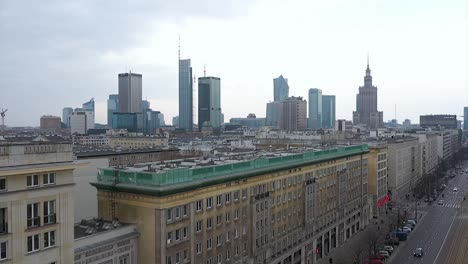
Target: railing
50,219
184,175
34,222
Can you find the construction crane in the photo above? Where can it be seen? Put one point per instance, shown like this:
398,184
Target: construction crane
2,113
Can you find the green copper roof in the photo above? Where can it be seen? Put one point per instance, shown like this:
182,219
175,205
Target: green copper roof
183,179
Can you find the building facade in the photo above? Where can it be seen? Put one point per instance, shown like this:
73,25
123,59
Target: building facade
378,179
293,114
280,89
127,121
185,95
249,121
209,102
328,111
273,114
366,104
315,108
438,121
130,92
81,122
89,106
112,107
138,142
36,200
50,122
275,210
465,118
66,114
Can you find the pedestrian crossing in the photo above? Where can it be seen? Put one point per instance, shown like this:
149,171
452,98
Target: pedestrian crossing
450,205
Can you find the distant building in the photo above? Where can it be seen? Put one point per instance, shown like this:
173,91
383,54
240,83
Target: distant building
185,95
465,118
315,108
328,111
145,105
99,241
138,142
50,122
438,121
366,104
251,121
112,107
209,102
130,92
81,121
127,121
280,88
150,122
407,123
273,114
340,125
89,106
66,114
175,121
36,194
293,114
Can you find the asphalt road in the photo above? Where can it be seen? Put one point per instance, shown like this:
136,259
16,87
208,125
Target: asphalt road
433,230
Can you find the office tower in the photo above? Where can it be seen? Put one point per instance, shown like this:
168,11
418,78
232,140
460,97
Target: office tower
36,194
89,106
328,111
209,102
280,88
273,114
50,122
175,121
315,108
185,95
465,118
81,122
127,121
264,210
151,121
145,105
112,107
438,121
130,92
162,122
66,114
366,104
293,114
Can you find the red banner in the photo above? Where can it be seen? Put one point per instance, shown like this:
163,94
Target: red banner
383,201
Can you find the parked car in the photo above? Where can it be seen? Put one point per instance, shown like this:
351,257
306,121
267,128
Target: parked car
410,226
389,249
441,202
418,252
384,253
411,221
392,242
455,189
407,229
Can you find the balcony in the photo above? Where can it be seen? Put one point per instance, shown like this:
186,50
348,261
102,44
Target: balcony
34,222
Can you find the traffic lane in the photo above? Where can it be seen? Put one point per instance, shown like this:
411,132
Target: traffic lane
447,248
427,235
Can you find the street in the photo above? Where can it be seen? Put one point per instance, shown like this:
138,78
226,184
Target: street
436,228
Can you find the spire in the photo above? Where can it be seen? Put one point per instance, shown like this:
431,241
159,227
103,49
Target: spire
368,77
368,71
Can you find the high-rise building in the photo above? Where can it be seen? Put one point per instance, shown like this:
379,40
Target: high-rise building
209,103
273,114
366,104
130,92
280,88
315,108
127,121
89,106
66,114
150,121
50,122
465,118
36,194
328,111
175,121
293,114
112,107
145,105
438,121
81,122
185,95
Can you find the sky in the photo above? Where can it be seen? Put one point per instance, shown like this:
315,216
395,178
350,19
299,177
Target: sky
59,54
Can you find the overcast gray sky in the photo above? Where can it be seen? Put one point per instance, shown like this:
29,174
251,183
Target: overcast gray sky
62,53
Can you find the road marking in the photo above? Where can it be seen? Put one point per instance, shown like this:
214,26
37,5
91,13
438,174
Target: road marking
443,243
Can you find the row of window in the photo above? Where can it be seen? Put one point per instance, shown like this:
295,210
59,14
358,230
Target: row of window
179,257
177,235
33,214
47,179
199,249
219,200
177,212
33,242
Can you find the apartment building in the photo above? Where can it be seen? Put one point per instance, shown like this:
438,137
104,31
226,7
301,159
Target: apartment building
274,208
378,189
138,142
36,200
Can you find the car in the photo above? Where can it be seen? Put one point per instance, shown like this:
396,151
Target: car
410,226
441,202
392,242
407,229
455,189
411,221
384,253
389,249
418,252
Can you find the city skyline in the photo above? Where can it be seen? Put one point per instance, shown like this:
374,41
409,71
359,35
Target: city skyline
400,67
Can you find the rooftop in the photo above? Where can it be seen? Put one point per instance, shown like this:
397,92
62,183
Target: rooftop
24,140
96,225
169,177
98,151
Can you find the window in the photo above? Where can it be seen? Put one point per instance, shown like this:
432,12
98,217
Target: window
236,214
49,212
228,236
220,259
184,211
236,196
219,200
185,232
49,239
177,212
168,259
2,184
228,198
185,254
219,219
209,223
209,202
48,178
199,226
219,240
3,250
32,180
228,254
177,257
169,237
33,219
208,243
169,214
124,260
177,235
209,261
3,221
228,217
199,205
199,248
244,193
33,243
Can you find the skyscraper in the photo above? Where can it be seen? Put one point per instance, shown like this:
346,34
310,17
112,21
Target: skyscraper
465,118
328,111
366,104
112,107
185,95
145,105
293,114
273,114
130,92
209,102
315,108
280,88
66,114
89,106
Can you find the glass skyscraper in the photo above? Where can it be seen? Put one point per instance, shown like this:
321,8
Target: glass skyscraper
315,108
465,118
209,102
185,95
280,88
66,114
328,111
112,107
